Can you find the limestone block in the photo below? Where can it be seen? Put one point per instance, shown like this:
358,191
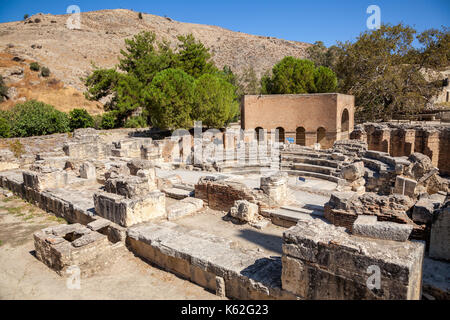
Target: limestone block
368,226
440,234
127,212
184,207
132,186
87,171
423,210
47,178
275,186
321,261
136,165
244,211
353,172
64,246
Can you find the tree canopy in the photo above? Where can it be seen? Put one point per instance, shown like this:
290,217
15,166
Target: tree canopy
294,76
160,81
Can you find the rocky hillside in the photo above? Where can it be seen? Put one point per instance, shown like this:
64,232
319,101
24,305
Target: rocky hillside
70,53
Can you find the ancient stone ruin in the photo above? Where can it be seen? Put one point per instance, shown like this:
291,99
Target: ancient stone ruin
348,222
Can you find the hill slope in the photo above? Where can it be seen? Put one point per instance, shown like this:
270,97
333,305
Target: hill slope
69,53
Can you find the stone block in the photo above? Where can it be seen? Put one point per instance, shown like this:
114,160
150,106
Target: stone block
405,186
87,171
275,186
66,246
127,212
368,226
132,186
184,207
47,178
321,261
423,210
353,172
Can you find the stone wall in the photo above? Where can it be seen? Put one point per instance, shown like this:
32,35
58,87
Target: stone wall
306,111
404,139
321,261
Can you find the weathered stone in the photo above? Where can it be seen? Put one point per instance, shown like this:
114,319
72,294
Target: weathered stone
87,171
368,226
275,186
440,234
353,172
423,210
63,247
184,207
137,164
244,211
128,212
321,261
132,186
405,186
46,179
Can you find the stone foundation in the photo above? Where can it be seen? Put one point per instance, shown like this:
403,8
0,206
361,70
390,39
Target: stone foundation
321,261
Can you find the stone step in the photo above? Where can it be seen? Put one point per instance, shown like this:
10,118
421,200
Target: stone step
301,173
304,209
183,186
313,161
286,218
177,193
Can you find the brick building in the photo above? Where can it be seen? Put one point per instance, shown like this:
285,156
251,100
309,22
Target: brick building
303,119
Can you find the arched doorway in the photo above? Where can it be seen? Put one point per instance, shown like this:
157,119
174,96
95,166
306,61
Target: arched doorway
300,136
345,124
321,134
259,134
280,132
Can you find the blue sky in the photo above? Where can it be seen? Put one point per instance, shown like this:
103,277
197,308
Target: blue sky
308,21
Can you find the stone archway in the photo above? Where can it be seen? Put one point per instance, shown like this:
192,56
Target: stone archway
345,124
321,135
300,136
259,134
281,134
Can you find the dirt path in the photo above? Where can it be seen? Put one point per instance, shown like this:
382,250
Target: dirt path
22,276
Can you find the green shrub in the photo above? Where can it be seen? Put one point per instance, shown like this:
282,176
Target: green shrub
80,118
34,66
109,120
34,118
45,72
136,122
97,121
26,16
5,128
